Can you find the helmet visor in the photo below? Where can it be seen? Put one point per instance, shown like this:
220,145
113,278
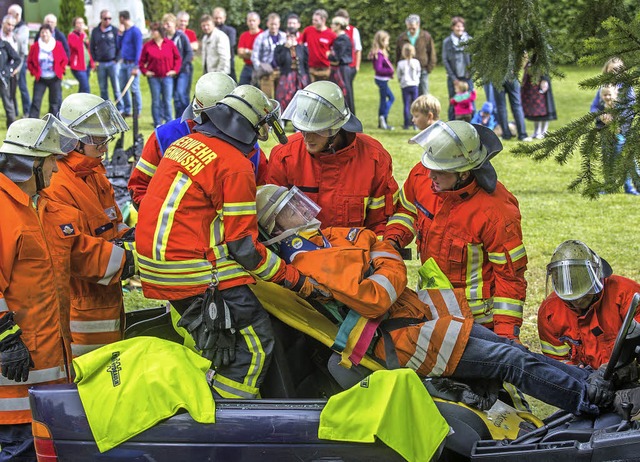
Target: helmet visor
309,112
55,138
100,123
295,212
573,279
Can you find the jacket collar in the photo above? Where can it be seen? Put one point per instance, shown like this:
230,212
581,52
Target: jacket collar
83,165
461,194
14,191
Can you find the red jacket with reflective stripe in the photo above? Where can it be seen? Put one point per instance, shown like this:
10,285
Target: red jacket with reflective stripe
476,240
201,199
39,249
354,187
585,339
97,310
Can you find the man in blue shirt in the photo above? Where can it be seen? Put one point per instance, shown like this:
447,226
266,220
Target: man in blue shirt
104,49
130,45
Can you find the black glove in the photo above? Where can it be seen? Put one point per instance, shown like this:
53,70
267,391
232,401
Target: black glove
129,235
218,318
193,321
14,354
130,267
600,391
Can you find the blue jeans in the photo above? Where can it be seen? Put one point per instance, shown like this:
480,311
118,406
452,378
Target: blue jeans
452,91
423,88
161,96
181,89
108,72
24,90
409,95
492,357
245,75
124,74
386,98
83,79
511,88
17,443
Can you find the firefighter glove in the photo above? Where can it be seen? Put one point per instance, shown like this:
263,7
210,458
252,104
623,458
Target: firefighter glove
15,359
310,288
600,391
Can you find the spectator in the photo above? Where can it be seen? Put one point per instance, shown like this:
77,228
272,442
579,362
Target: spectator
47,62
462,101
292,58
104,49
9,67
485,117
318,38
425,49
182,23
57,34
80,60
537,100
383,73
160,61
219,18
455,59
130,45
511,86
215,48
409,76
265,70
356,55
245,46
425,111
21,34
293,26
182,82
340,58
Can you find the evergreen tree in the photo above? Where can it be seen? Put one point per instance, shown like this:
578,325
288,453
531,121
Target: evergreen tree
70,9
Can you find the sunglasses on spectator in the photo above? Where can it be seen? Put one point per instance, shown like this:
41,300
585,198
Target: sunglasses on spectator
106,19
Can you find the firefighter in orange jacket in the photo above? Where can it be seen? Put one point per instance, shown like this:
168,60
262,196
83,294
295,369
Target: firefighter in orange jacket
580,319
197,227
466,221
97,311
349,174
431,332
41,244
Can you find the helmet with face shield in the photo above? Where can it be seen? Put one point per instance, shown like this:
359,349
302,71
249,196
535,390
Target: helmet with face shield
210,89
93,119
575,271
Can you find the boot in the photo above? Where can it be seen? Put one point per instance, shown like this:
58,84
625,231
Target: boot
631,396
382,123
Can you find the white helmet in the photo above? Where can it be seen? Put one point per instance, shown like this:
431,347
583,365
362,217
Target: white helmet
209,90
456,146
39,138
93,119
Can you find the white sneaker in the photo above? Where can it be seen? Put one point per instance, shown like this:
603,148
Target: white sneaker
528,139
539,136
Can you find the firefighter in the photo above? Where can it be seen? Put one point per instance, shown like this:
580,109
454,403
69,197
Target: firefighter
41,244
97,311
197,229
349,174
210,88
466,223
431,332
579,320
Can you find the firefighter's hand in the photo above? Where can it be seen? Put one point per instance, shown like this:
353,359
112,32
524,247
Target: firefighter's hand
600,391
310,288
193,321
224,352
16,360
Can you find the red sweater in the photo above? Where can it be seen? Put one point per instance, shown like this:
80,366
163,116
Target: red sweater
159,59
60,60
319,43
76,46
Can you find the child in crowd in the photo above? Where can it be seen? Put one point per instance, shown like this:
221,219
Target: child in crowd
409,76
485,117
383,73
425,111
463,101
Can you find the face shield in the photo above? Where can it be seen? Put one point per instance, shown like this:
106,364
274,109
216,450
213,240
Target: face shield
308,112
99,125
573,279
54,138
294,213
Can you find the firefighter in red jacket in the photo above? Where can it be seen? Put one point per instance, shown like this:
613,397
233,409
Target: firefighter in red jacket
466,223
580,319
431,332
41,244
197,228
97,311
349,174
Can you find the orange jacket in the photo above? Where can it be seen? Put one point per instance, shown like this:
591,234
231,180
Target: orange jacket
476,240
199,218
152,152
97,311
353,187
39,249
370,277
587,339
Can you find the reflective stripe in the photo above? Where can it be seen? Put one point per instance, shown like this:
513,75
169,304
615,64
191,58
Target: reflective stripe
228,388
450,300
146,167
425,298
386,285
507,307
115,263
376,202
217,231
3,305
173,280
175,266
239,208
517,253
499,258
91,327
14,329
122,227
177,190
404,220
444,352
269,268
474,271
555,350
38,376
14,404
385,255
258,355
79,350
406,204
483,318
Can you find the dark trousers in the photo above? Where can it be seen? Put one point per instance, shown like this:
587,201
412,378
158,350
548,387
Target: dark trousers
409,95
16,442
349,75
246,75
54,85
8,95
83,80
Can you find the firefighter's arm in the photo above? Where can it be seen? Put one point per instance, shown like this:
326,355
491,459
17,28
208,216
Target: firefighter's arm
550,344
401,227
382,199
144,170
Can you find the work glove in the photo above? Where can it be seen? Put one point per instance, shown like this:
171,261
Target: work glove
626,375
600,391
15,358
130,267
311,288
218,318
129,235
